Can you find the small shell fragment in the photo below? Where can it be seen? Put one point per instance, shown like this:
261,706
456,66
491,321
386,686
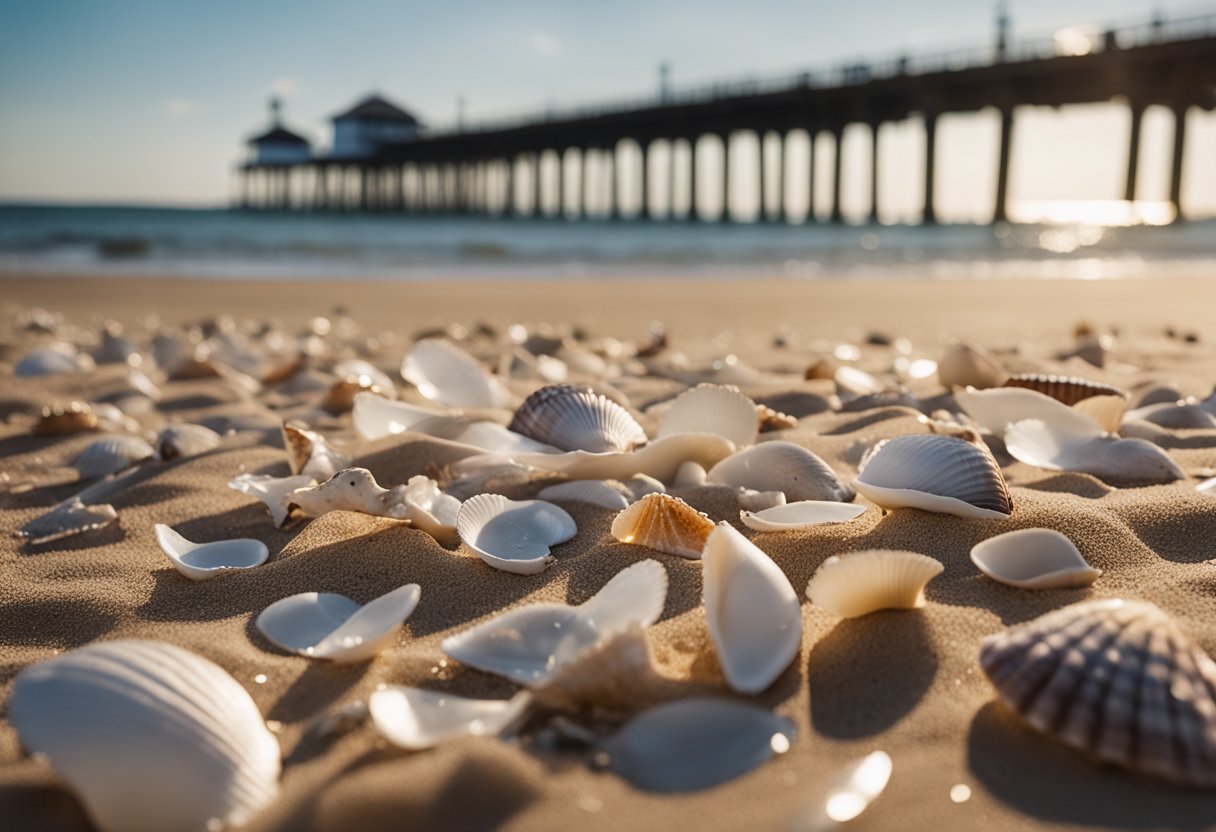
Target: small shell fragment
309,454
968,365
275,492
430,510
351,489
859,583
63,419
607,494
800,515
415,719
322,625
185,440
67,519
447,374
664,523
203,561
1033,559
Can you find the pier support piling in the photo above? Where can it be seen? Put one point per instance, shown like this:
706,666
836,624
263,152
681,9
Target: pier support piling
725,216
1176,161
928,214
874,128
838,157
1000,212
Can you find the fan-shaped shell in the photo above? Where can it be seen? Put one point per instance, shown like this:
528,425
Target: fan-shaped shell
801,515
967,365
1117,679
111,454
67,519
664,523
573,418
770,419
935,473
61,419
414,718
323,625
511,535
430,510
203,561
608,494
1115,460
447,374
858,583
711,408
351,489
185,440
308,453
1033,559
150,737
781,466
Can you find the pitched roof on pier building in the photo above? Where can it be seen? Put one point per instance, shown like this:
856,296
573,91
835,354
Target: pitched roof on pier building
361,131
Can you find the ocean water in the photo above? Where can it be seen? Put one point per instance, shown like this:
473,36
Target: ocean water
233,244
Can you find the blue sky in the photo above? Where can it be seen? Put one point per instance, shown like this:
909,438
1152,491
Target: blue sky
141,101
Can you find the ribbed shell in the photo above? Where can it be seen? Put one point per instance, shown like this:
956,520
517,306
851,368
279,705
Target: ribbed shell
67,519
712,408
608,494
574,418
152,738
898,472
859,583
1066,389
967,365
781,466
111,454
1117,679
185,440
444,373
664,523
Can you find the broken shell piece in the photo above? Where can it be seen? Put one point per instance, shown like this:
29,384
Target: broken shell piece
935,473
1117,679
447,374
1119,461
753,613
273,491
800,515
994,410
430,510
67,519
340,397
111,454
851,381
759,500
608,494
60,420
769,419
664,523
308,453
1033,559
351,489
357,367
576,418
781,466
203,561
695,743
375,417
184,440
618,674
711,408
415,719
859,583
322,625
1207,487
967,365
513,536
1101,402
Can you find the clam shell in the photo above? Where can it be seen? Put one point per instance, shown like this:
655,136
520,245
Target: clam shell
1103,403
689,474
859,583
711,408
447,374
308,453
322,625
935,473
67,519
572,418
275,492
1110,458
185,440
967,365
664,523
1175,416
203,561
375,417
1117,679
60,420
994,410
351,489
415,719
753,613
607,494
56,359
150,737
511,535
430,510
1033,559
781,466
111,454
695,743
800,515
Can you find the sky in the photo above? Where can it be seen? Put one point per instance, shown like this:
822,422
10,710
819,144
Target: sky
150,101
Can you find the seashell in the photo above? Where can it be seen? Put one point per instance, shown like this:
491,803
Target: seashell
60,420
1033,559
618,674
1101,402
1175,416
574,418
801,515
531,645
1207,486
203,561
753,613
430,510
57,359
358,368
111,454
642,484
1110,458
150,737
491,436
607,494
689,474
664,523
710,408
850,381
967,365
1092,349
522,365
322,625
695,743
1117,679
351,489
375,417
821,370
447,374
760,500
114,348
416,719
994,410
67,519
309,454
781,466
111,418
887,398
340,397
770,420
138,382
935,473
275,492
860,583
654,343
511,535
177,441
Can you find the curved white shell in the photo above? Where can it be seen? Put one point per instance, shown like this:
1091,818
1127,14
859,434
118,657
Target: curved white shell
1207,486
618,674
52,360
689,474
275,492
858,583
760,500
967,365
801,515
934,472
430,510
150,737
531,644
444,373
852,381
309,454
322,625
1174,416
695,743
664,523
711,408
753,613
185,440
1116,460
781,466
572,418
357,367
111,454
414,718
491,436
511,535
375,417
994,410
1117,679
67,519
603,493
203,561
352,489
1033,559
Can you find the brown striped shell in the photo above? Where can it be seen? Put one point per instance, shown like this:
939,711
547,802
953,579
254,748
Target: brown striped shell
1066,389
576,418
664,523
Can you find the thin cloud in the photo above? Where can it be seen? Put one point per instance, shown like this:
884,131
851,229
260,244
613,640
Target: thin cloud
179,107
545,45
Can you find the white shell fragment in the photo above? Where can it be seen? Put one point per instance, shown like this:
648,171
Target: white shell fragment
753,613
781,466
55,359
375,417
184,440
353,489
859,583
1118,461
430,510
111,454
415,719
607,494
575,418
1207,487
617,674
203,561
994,410
934,472
1117,679
800,515
1033,559
664,523
150,737
967,365
710,408
67,519
444,373
695,744
275,492
322,625
309,454
689,474
514,536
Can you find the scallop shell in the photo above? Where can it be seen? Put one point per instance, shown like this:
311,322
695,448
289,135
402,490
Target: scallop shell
859,583
781,466
67,519
56,359
710,408
753,613
60,420
275,492
351,489
447,374
695,743
572,418
664,523
416,719
184,440
309,454
1103,403
994,410
150,737
800,515
322,625
203,561
430,510
511,535
1117,679
1033,559
967,365
935,473
607,494
1119,461
111,454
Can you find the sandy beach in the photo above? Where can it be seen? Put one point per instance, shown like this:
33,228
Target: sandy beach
904,682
